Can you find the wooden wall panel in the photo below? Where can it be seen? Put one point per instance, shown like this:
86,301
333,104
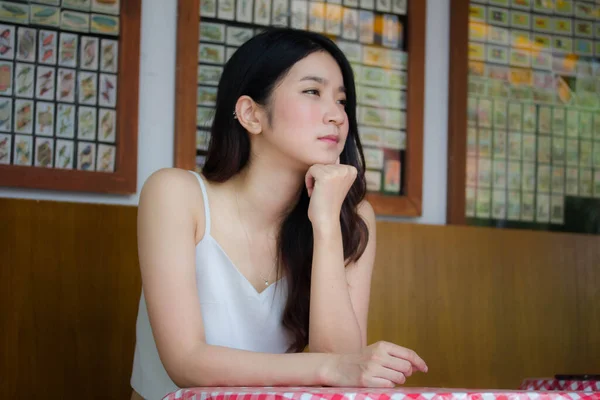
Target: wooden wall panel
484,307
69,289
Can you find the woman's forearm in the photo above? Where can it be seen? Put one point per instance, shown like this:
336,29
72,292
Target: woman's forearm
333,325
222,366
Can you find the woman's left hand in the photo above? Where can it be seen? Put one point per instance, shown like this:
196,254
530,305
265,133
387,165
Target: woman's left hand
327,187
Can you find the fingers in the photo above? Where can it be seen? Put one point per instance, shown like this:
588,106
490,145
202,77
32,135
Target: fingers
379,383
398,364
309,181
391,375
409,355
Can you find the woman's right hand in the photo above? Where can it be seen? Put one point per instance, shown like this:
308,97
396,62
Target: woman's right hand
382,364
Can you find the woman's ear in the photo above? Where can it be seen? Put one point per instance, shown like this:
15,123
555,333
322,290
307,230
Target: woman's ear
247,112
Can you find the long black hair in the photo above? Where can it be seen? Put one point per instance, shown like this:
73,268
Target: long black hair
254,70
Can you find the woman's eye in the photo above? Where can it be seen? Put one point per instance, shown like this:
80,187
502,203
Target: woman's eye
312,91
342,102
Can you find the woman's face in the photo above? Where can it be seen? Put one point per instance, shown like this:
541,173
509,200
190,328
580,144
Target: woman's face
309,124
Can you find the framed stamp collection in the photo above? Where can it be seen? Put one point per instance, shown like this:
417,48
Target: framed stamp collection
531,139
374,36
61,116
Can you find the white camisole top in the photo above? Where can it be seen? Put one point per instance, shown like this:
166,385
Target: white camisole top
234,314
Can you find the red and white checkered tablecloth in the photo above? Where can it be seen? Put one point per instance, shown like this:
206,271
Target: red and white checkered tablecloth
313,393
564,385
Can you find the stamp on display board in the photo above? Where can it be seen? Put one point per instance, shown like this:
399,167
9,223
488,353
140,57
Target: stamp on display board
280,13
68,50
515,116
585,182
500,114
106,158
6,114
529,117
558,151
514,206
26,44
44,118
514,175
225,10
543,179
399,6
497,16
333,19
211,53
528,207
514,146
47,50
383,5
529,148
499,204
483,203
528,177
470,202
544,149
7,42
392,178
485,143
542,23
5,148
520,20
89,53
477,13
478,32
44,15
350,24
498,35
558,180
23,150
499,173
572,123
86,156
484,114
83,5
373,179
572,182
23,117
373,158
572,154
107,123
244,11
316,17
497,54
208,8
500,142
545,119
585,153
65,121
44,152
520,39
24,80
86,123
87,88
65,87
484,173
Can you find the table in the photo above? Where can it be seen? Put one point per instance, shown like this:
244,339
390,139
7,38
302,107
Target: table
564,385
404,393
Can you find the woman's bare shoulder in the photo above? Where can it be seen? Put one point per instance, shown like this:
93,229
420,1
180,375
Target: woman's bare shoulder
171,191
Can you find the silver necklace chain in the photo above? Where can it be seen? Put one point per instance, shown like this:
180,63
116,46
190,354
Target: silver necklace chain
266,280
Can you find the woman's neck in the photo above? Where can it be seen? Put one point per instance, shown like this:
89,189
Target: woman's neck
266,194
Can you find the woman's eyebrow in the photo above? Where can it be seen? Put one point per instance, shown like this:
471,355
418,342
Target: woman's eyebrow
320,80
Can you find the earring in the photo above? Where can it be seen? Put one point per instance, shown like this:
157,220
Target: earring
234,115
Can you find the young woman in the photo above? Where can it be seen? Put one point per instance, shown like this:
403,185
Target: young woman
270,252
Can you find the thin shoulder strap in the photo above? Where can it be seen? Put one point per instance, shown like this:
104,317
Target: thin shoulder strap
206,205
